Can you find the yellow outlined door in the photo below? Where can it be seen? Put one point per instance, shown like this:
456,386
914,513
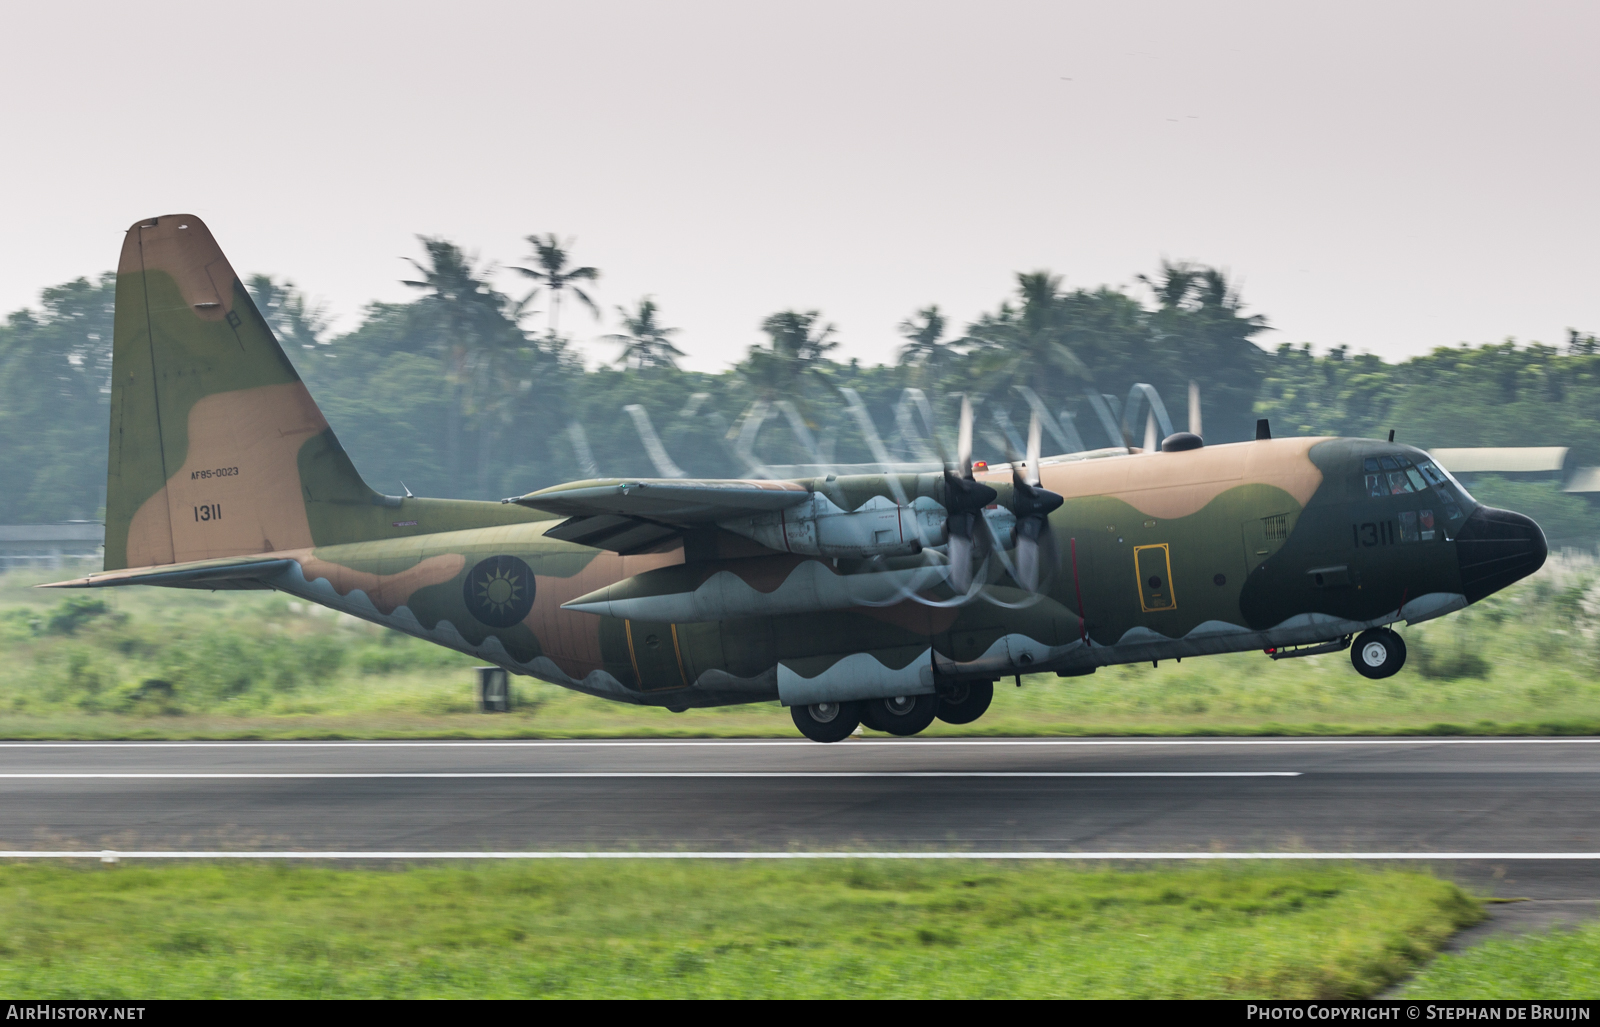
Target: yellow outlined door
1154,566
655,654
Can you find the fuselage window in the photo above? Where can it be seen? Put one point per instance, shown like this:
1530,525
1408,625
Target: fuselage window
1425,522
1399,484
1408,526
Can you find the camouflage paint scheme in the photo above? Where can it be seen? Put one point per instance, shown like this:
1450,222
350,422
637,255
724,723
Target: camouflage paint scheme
224,474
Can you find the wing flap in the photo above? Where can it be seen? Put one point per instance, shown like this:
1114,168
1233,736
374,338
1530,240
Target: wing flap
607,531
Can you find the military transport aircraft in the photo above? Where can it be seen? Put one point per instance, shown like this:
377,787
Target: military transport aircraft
882,600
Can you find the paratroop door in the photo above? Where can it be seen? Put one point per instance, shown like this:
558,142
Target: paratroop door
1154,564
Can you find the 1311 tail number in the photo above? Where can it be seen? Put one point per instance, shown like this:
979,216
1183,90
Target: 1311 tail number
209,512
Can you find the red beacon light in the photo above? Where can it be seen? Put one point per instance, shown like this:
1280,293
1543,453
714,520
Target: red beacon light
980,465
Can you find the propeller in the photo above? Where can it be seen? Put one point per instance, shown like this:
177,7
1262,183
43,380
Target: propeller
1032,507
964,500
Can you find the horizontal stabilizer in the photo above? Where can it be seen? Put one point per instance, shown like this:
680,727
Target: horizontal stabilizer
237,573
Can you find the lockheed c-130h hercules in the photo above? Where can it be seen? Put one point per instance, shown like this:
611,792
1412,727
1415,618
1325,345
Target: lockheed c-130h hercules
880,599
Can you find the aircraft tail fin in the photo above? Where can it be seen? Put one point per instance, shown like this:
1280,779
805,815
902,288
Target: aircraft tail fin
217,449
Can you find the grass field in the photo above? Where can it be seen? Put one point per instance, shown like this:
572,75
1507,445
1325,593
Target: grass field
150,663
1561,964
687,928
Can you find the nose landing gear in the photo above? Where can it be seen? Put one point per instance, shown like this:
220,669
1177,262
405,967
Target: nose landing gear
1378,653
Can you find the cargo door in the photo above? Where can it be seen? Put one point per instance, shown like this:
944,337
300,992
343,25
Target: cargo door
1154,564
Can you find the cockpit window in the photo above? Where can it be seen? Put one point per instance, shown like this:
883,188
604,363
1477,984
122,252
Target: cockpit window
1394,475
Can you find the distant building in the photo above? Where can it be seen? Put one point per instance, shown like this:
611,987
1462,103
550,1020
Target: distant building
28,546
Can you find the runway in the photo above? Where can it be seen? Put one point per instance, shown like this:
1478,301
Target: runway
1445,798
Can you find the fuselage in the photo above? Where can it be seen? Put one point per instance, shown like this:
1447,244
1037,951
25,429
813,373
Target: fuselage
1152,556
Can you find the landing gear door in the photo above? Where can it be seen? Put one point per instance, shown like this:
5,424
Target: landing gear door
1154,564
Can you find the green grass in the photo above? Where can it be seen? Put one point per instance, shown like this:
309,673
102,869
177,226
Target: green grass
1560,964
160,663
687,928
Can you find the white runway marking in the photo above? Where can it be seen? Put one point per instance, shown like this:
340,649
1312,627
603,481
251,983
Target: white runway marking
792,743
112,855
672,773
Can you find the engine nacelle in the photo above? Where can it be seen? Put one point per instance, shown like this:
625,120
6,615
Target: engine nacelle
818,527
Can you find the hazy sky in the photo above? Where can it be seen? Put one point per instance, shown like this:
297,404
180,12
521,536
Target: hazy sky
1394,176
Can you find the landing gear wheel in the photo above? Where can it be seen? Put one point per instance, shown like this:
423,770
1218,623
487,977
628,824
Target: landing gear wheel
902,715
872,715
1378,653
965,702
827,721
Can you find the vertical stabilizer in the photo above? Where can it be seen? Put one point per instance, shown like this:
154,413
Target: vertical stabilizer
217,449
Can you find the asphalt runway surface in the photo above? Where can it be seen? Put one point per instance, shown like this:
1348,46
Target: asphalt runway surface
1419,796
1505,817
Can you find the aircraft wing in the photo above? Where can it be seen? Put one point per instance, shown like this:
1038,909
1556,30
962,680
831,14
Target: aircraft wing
634,515
226,573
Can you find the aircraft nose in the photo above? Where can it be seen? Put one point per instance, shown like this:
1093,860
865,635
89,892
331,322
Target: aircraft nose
1495,548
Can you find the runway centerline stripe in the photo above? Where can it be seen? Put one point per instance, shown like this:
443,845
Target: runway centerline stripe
112,855
647,773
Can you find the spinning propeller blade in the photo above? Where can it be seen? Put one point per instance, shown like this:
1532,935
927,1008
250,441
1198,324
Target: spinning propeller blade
964,500
1032,506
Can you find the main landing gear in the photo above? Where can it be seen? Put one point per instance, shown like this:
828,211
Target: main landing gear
965,702
1378,653
827,721
902,715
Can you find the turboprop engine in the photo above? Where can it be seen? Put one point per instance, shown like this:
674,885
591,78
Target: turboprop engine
877,527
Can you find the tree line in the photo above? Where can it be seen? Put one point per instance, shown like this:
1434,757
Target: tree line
477,391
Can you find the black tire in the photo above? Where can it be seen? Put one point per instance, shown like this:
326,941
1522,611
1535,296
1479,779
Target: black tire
903,715
827,722
872,716
965,702
1378,653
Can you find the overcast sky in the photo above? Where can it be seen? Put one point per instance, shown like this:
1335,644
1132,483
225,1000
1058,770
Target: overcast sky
1394,176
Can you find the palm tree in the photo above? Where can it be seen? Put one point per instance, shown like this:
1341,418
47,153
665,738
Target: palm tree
646,343
472,317
1027,345
553,274
800,338
925,341
286,310
1199,332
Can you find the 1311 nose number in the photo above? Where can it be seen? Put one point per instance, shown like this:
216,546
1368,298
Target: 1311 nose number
1373,533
